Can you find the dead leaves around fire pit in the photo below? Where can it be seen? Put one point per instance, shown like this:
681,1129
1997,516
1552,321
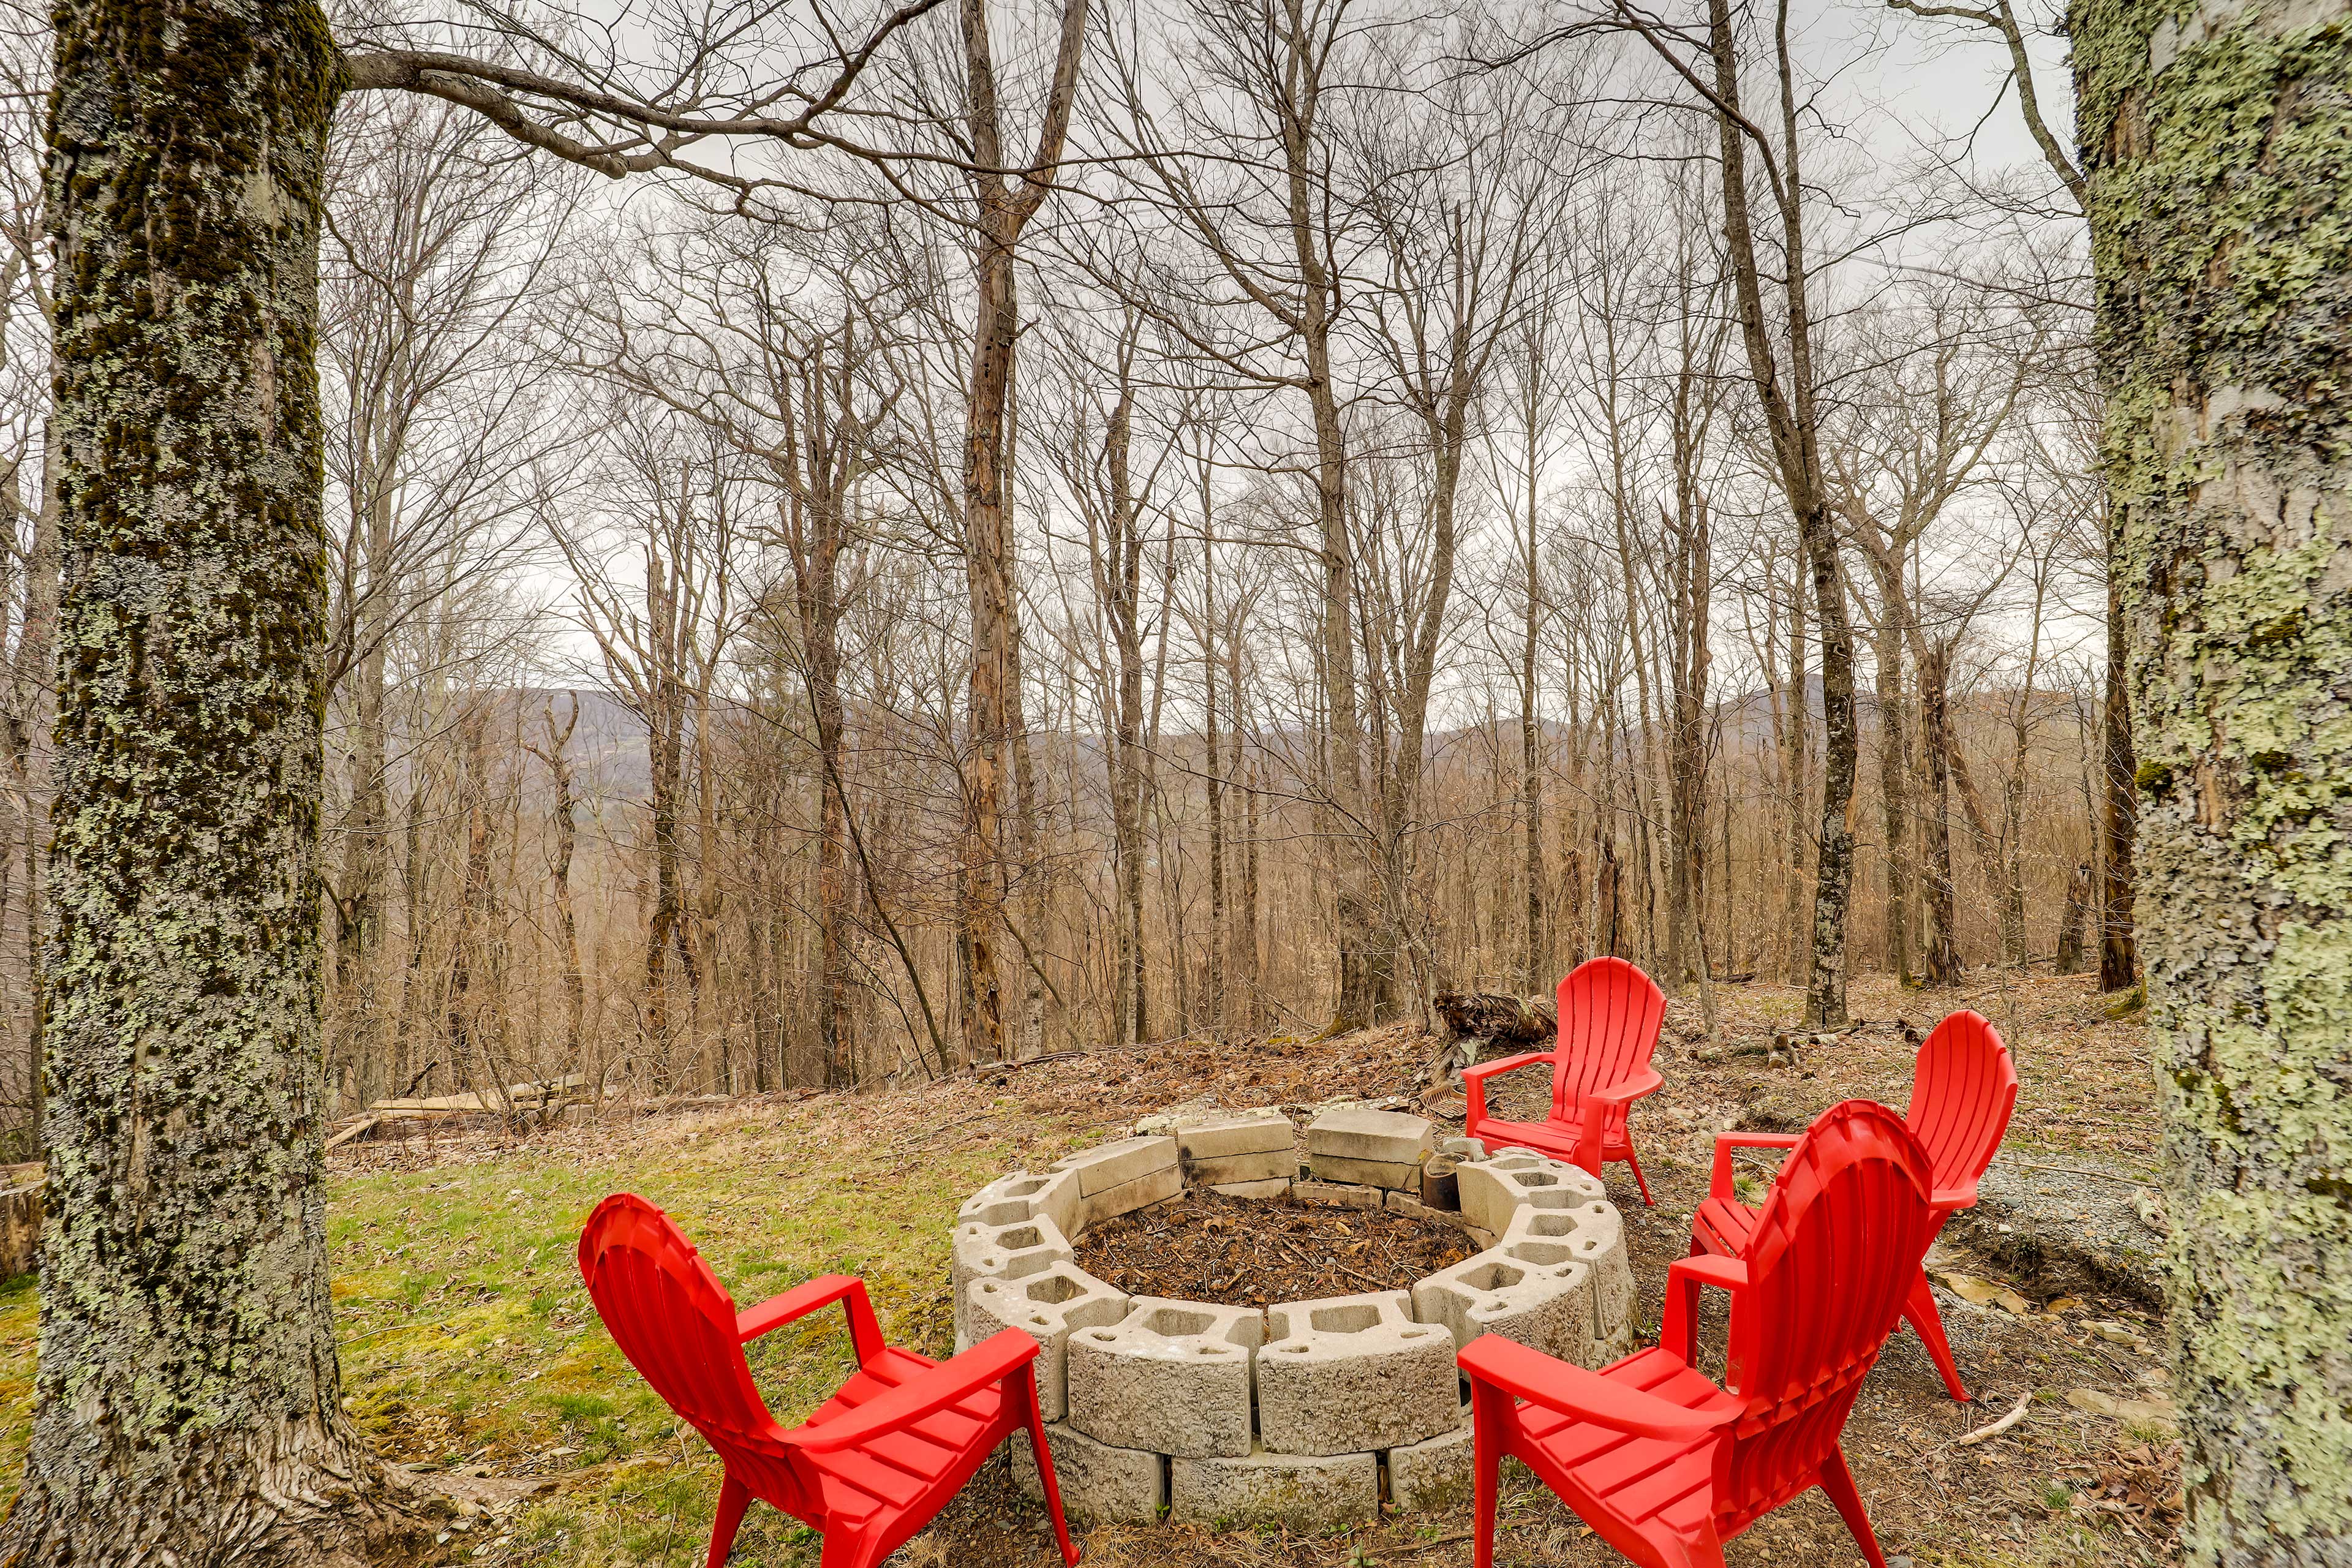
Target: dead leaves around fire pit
1242,1252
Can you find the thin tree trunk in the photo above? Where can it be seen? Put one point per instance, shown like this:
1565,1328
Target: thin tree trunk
1530,748
1003,209
1796,760
1220,999
1792,416
1123,590
1893,802
563,815
188,1403
1939,942
2119,809
1247,974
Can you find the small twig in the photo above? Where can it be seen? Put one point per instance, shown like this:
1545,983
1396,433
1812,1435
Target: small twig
2016,1414
1456,1538
397,1328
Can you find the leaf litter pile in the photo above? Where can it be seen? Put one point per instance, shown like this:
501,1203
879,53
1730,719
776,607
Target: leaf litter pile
1250,1252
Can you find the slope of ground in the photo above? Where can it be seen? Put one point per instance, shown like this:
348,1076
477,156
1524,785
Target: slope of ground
468,1346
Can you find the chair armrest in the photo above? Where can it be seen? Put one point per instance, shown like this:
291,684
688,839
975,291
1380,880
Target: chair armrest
1571,1390
1473,1084
1684,1277
1945,1199
988,1362
1479,1072
865,1333
1719,1183
1646,1081
1593,1116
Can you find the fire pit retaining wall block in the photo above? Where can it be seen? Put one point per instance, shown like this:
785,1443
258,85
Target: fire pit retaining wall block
1353,1372
1170,1376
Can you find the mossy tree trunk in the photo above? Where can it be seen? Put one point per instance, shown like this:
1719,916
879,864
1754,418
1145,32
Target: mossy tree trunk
188,1400
2219,145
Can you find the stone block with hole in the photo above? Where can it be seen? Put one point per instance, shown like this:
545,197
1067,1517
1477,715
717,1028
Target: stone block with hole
1426,1478
1222,1170
1547,1308
1299,1491
1000,1252
1349,1374
1266,1133
1046,1306
1171,1376
1494,1189
1116,1164
1018,1196
1156,1187
1592,1234
1100,1483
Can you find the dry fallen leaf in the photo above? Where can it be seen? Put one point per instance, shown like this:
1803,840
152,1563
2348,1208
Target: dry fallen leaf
1985,1293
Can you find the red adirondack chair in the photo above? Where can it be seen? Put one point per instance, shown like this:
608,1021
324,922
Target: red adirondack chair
1665,1466
875,1462
1608,1018
1962,1091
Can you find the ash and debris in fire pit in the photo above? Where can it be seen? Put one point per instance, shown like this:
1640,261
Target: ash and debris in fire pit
1259,1252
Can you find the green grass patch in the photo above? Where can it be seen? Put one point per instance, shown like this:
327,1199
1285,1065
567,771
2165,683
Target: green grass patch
467,1338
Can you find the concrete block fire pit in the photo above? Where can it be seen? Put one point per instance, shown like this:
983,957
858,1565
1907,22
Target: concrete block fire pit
1304,1413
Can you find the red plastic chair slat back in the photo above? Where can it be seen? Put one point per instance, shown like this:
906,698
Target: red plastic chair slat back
675,1323
1834,1251
1962,1092
1610,1013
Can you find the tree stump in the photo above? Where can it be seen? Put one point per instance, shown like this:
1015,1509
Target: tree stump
1504,1020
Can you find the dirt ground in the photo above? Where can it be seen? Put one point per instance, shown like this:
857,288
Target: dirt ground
1243,1252
2086,1474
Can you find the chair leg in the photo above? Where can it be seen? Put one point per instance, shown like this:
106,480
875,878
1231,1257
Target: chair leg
1032,1416
845,1548
1638,1180
1690,1304
1486,1463
734,1496
1838,1481
1919,1310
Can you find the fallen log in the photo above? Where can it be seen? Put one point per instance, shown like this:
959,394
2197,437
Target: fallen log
1504,1020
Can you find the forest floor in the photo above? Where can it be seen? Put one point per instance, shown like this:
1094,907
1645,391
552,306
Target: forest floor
468,1347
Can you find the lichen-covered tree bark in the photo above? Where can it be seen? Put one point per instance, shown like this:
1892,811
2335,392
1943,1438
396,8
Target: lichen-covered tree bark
2219,145
188,1404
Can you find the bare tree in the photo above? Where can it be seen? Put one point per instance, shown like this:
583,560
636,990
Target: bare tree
1779,343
